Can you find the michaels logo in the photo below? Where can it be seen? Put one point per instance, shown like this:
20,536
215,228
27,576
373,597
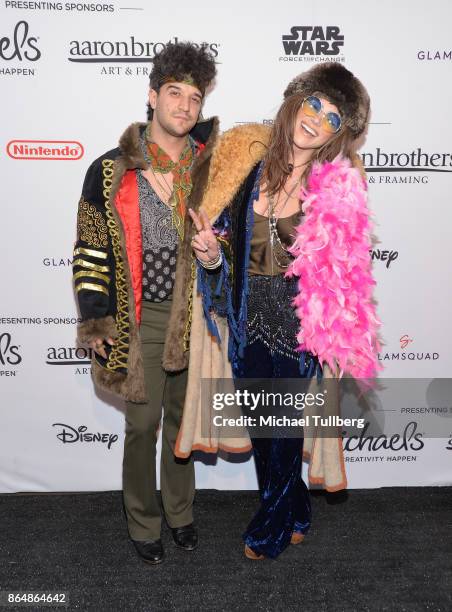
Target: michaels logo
45,149
313,43
9,352
122,51
407,440
20,46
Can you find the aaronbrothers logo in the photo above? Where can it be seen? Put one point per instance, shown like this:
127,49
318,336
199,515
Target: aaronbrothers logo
66,150
417,162
405,341
68,355
129,50
313,43
9,352
20,47
69,435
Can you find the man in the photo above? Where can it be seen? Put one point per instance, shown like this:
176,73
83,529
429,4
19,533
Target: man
133,277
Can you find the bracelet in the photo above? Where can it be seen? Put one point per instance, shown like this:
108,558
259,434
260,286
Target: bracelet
212,264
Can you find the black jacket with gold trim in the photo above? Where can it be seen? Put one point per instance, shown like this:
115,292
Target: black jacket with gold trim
102,278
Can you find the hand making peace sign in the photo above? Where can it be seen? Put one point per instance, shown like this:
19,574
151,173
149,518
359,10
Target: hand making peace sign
204,243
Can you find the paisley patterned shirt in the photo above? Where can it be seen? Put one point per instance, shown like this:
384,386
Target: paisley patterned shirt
159,236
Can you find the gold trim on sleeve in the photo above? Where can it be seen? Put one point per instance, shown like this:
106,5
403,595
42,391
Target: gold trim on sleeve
83,274
118,356
88,264
91,225
90,253
91,287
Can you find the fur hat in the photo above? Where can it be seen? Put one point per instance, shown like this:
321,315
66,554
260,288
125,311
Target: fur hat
341,87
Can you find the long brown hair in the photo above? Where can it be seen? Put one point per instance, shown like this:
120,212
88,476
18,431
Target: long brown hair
278,156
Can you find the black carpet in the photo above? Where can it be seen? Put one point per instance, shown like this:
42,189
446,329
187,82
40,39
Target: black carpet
383,550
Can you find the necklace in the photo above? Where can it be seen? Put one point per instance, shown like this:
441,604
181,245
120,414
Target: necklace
166,189
162,164
292,167
280,254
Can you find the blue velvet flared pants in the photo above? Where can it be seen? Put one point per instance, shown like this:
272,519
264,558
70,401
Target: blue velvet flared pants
284,497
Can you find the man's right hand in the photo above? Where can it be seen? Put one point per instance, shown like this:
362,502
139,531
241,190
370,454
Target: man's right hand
97,345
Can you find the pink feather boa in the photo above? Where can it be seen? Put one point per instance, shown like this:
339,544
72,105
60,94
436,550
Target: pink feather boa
331,249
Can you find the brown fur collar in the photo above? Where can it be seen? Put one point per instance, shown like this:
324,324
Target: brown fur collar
236,153
131,156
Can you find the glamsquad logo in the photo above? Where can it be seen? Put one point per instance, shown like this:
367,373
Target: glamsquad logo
405,342
313,44
128,51
434,54
66,150
19,47
396,167
70,435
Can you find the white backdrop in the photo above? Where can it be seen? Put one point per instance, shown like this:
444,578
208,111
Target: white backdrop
401,51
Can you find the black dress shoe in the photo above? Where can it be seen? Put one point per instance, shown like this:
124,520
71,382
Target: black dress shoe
185,537
151,551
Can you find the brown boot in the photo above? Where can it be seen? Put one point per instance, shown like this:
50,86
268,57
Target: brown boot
250,554
297,538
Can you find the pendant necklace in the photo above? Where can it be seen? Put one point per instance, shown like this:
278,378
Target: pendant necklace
280,254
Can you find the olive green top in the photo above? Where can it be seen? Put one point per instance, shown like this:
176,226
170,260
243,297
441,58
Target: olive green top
261,259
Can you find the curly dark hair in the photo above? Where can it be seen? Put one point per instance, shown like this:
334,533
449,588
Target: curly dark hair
179,60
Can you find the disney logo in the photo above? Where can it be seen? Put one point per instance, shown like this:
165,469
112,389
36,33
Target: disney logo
21,46
69,434
8,352
384,255
409,440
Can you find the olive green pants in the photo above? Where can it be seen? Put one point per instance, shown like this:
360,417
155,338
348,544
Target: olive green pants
177,476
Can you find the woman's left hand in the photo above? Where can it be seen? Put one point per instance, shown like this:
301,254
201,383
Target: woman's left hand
204,243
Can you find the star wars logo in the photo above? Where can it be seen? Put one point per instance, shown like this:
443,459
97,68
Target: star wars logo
308,42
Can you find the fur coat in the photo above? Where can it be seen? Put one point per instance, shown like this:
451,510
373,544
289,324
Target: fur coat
107,264
231,172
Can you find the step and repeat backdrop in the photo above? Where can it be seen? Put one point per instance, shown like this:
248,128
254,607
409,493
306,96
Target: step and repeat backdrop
74,75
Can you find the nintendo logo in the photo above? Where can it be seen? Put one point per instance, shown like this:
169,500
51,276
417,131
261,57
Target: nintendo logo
45,149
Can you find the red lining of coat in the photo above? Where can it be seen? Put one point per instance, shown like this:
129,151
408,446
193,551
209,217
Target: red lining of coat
127,205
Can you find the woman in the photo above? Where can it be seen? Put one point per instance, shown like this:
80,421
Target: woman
295,232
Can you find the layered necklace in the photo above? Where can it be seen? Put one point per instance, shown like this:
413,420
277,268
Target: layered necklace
281,255
161,164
